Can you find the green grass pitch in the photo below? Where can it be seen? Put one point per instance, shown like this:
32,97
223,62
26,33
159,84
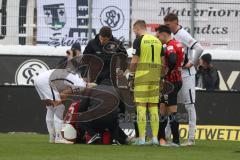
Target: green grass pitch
35,147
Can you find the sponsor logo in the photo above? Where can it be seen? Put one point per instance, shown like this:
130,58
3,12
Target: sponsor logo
204,132
112,17
129,132
55,16
28,70
230,82
212,132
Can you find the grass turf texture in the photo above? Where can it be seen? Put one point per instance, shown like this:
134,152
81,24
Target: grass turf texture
35,147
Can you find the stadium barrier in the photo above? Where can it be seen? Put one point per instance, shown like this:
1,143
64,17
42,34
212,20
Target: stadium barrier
21,69
213,132
21,111
20,64
218,116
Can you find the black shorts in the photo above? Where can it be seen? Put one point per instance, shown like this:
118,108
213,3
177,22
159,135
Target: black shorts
171,98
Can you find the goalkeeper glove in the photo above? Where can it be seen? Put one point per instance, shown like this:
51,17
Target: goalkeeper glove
131,81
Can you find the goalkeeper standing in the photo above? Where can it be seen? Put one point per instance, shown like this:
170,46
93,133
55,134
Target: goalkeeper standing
145,73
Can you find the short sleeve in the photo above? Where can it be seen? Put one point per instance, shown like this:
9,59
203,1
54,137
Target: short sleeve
137,46
162,52
185,38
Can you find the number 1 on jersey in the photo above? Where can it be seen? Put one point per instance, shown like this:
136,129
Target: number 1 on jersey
152,46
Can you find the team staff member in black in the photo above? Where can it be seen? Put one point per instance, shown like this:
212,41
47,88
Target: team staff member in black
95,47
107,78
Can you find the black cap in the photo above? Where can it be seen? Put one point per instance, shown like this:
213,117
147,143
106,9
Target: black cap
76,46
207,58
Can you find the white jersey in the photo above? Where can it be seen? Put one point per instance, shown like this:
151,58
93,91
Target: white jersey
50,82
69,78
188,43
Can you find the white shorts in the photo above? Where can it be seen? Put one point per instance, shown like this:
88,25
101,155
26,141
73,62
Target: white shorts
187,93
42,85
46,91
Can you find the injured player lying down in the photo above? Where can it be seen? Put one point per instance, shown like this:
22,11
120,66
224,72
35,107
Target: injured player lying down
53,87
93,118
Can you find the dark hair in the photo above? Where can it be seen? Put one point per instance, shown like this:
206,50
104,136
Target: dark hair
105,32
140,23
207,58
170,17
163,28
76,46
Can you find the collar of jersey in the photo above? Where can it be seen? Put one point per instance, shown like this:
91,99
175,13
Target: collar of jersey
178,30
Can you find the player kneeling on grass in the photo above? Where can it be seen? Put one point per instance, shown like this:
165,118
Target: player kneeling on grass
53,87
173,61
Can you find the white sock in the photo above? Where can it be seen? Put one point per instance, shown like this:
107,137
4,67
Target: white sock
168,131
192,120
58,119
49,122
155,139
142,140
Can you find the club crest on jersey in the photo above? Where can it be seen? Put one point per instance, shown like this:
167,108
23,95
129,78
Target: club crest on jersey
170,48
55,16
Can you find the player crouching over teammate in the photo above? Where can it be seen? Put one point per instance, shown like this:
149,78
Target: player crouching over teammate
52,97
173,61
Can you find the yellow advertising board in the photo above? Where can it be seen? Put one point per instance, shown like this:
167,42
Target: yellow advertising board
212,132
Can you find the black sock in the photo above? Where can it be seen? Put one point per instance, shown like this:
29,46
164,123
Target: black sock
162,125
174,127
136,129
